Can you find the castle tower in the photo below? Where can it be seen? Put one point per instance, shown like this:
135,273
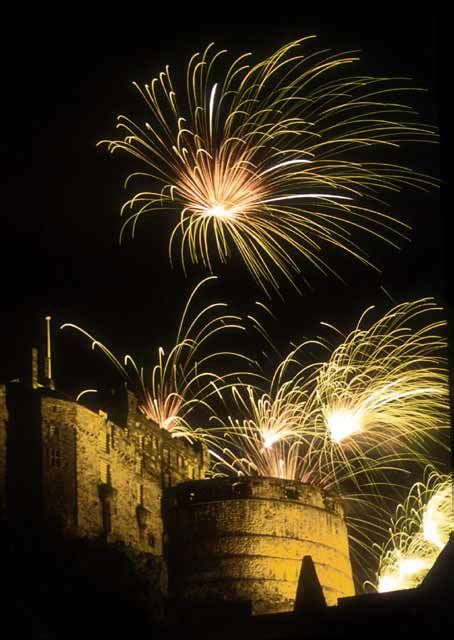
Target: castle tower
244,539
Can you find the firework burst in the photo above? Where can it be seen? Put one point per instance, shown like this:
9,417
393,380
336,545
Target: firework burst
268,441
179,382
383,394
381,399
268,158
418,532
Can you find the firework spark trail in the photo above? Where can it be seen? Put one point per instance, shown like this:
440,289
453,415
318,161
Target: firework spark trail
418,531
379,402
180,383
268,158
268,441
383,393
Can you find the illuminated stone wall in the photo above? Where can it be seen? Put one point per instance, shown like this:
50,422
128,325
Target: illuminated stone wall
58,418
102,479
222,539
118,487
245,539
94,478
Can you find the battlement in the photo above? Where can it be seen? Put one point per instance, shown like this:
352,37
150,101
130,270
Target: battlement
252,487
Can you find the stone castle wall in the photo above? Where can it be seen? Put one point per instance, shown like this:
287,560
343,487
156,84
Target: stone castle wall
244,539
233,539
118,491
58,455
96,478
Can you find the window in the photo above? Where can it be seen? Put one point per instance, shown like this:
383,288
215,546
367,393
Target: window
140,494
291,494
104,472
54,456
241,489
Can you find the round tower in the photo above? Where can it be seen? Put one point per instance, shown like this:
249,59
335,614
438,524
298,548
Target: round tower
243,539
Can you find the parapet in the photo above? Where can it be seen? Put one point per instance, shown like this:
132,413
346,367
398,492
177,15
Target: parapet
255,488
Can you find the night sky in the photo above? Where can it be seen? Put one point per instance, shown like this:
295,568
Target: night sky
65,82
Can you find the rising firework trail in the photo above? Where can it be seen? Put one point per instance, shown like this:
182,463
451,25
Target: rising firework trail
273,158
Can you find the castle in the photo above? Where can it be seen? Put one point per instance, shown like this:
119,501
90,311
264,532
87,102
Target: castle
119,478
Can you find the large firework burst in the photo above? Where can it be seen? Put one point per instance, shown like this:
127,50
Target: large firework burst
268,157
180,381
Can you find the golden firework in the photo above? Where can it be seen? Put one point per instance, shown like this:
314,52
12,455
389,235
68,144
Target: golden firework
268,441
383,394
180,382
418,532
269,157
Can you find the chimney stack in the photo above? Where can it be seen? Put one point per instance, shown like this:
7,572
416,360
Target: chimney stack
48,381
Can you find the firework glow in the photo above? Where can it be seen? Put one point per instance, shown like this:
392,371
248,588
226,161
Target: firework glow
268,158
385,388
418,532
179,381
381,398
268,441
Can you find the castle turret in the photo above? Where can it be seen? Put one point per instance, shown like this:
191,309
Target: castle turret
243,539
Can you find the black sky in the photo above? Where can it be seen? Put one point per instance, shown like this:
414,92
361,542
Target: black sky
65,78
